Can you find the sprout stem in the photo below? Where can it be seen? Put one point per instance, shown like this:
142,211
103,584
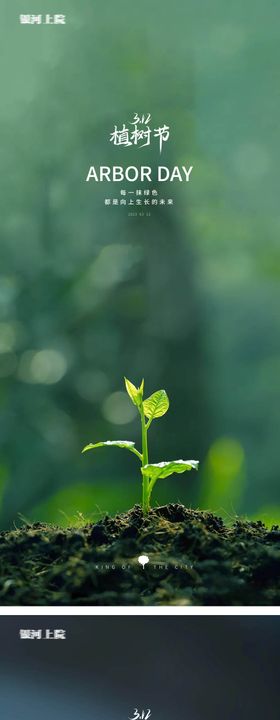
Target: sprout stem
145,461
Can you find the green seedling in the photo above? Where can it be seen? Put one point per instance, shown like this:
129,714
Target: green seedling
153,407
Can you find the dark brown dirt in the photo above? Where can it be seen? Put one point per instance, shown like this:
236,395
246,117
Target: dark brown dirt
194,559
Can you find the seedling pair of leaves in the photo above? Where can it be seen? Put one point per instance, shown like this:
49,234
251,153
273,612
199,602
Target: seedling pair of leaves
153,407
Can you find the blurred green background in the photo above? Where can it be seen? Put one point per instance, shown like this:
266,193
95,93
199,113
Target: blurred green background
188,297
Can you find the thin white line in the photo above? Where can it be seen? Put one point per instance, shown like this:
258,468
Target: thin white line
135,610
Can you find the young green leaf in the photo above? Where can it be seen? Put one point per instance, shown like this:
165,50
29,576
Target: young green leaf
156,405
134,393
161,470
127,444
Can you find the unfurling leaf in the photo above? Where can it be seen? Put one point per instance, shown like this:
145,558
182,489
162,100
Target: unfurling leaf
126,444
134,393
119,443
156,405
161,470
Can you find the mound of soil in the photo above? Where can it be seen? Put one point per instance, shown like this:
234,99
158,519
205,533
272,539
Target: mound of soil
194,559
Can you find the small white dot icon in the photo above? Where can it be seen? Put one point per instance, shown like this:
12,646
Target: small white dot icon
143,560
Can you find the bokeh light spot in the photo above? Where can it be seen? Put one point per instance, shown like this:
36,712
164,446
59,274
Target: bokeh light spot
118,409
45,366
226,456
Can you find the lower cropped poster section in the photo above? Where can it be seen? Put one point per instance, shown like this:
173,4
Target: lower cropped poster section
139,668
